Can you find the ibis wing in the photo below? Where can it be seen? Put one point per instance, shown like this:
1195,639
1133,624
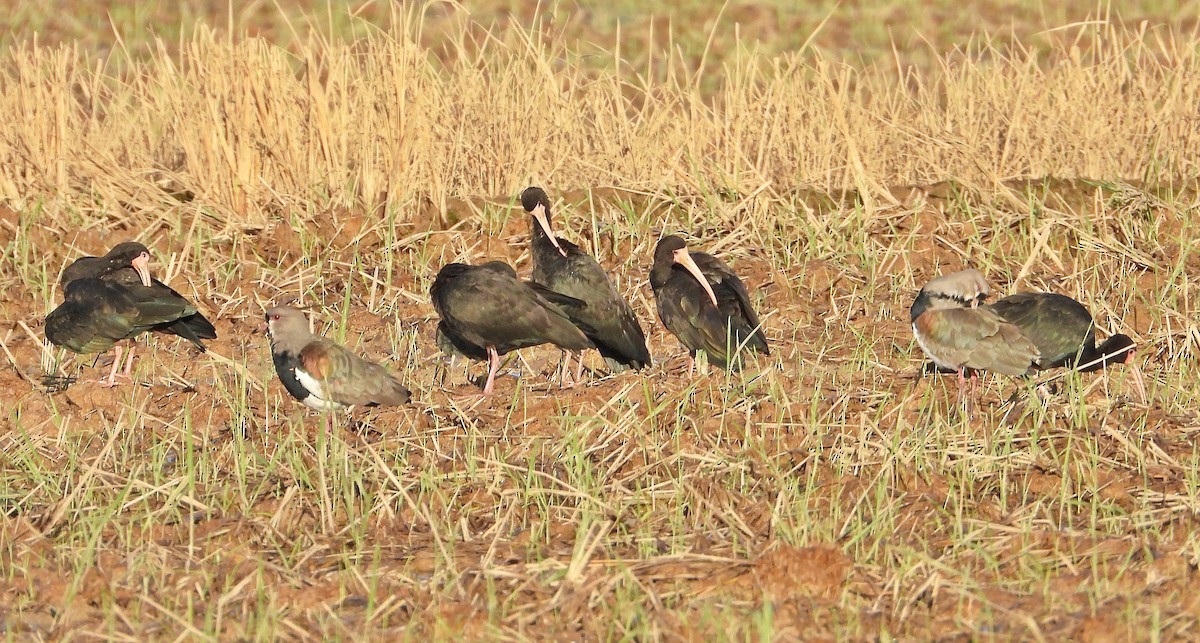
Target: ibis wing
733,299
493,309
1060,326
606,318
94,316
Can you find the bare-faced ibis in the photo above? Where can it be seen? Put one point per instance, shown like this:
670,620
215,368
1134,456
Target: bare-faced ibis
112,298
958,334
453,345
702,301
563,267
487,307
1065,334
322,374
1063,331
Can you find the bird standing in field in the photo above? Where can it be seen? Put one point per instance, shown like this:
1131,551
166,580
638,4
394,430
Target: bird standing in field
1063,331
322,374
487,307
563,267
113,298
1065,334
957,334
702,301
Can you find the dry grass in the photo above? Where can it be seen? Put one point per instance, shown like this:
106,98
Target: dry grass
828,493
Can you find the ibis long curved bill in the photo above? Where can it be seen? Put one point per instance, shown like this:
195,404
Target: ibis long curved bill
539,215
141,264
566,269
684,258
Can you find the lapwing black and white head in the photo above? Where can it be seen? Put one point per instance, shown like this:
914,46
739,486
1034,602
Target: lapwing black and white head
322,374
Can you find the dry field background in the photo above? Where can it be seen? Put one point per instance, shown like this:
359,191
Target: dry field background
836,156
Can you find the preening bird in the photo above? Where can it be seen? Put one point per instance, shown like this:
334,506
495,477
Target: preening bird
113,298
323,374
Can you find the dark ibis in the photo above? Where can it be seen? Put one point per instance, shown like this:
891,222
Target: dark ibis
702,301
1065,334
112,298
322,374
563,267
487,307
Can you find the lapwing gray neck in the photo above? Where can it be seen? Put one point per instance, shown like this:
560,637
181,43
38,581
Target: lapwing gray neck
288,329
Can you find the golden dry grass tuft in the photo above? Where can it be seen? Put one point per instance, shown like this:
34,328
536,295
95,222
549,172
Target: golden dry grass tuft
828,492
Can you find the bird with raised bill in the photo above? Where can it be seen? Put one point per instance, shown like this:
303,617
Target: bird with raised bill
704,304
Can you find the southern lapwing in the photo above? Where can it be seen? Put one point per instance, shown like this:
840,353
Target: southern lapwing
322,374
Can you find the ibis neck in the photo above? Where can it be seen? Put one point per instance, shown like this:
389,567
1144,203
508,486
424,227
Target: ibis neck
1110,352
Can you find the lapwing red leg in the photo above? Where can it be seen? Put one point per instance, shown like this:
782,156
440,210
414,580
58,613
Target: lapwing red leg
962,385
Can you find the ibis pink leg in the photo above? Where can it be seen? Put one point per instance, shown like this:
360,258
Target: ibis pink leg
111,380
579,369
493,367
128,372
1139,385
